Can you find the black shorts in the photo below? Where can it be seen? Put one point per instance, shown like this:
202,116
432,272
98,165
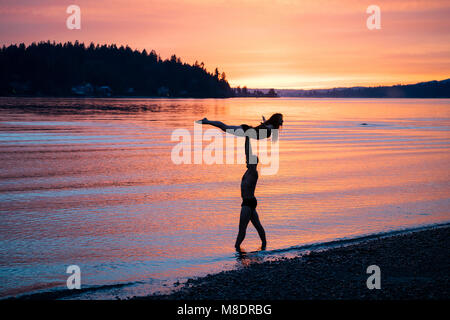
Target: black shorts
250,202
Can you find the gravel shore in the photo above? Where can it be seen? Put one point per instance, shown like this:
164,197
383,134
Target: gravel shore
413,266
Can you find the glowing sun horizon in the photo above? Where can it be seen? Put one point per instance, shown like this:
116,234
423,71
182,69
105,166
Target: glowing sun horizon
283,44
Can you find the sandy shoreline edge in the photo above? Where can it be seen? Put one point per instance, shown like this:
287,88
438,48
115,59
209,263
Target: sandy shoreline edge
414,264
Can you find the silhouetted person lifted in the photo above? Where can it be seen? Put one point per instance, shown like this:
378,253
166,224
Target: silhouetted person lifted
248,210
264,130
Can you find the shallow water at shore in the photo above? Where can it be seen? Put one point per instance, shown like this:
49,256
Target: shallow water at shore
413,265
91,182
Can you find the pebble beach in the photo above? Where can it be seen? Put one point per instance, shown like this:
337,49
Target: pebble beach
414,266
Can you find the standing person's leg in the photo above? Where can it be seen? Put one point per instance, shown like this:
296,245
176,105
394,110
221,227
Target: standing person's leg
246,213
262,234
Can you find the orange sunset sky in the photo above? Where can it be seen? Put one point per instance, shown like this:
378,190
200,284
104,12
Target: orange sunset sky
259,43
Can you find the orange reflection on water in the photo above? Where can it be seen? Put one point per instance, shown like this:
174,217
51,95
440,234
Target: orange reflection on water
100,189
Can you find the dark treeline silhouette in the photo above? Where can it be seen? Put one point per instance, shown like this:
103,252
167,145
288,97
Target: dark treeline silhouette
56,69
431,89
244,92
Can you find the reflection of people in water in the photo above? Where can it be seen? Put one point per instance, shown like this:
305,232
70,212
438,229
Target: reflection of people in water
248,210
246,259
264,130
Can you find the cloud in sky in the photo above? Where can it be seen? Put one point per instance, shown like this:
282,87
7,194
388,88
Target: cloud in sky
259,43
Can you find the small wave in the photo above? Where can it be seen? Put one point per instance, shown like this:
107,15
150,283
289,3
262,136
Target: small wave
66,293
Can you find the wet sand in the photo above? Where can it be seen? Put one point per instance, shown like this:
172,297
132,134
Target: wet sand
415,265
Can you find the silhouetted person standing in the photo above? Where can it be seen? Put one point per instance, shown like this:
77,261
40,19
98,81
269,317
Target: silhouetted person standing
248,210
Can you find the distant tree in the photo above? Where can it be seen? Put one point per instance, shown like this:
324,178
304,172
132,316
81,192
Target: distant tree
272,93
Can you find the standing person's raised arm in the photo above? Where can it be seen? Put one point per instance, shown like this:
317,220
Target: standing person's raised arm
249,156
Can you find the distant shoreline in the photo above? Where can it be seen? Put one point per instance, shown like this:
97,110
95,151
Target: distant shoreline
423,90
221,98
77,69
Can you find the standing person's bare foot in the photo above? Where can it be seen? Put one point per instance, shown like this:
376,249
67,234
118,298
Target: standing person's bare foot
238,248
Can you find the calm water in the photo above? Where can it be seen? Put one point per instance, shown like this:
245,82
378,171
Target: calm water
92,183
